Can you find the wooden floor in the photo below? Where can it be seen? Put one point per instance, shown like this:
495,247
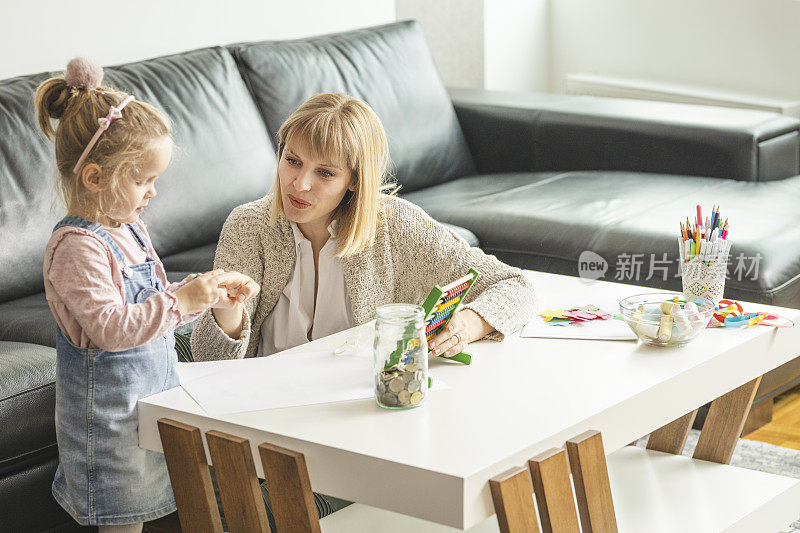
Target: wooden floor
784,430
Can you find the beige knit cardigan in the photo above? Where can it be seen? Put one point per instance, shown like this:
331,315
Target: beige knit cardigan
411,253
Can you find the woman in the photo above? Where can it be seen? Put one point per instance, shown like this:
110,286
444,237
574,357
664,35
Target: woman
331,244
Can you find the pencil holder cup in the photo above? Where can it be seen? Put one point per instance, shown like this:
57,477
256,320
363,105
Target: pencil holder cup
706,281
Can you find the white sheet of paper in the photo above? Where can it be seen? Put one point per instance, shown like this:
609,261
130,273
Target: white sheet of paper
597,329
281,380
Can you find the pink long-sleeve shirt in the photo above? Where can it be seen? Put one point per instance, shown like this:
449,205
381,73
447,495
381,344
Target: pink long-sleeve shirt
85,290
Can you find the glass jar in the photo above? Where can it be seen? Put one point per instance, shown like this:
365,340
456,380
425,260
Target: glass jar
401,356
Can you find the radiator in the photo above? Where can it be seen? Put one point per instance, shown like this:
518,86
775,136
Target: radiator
600,85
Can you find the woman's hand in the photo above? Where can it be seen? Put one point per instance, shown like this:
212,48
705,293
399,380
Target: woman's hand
465,326
239,288
228,311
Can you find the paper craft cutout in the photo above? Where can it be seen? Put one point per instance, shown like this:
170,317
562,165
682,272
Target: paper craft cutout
565,317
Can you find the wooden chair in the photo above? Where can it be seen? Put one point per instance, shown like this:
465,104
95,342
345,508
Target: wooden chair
548,474
548,477
289,489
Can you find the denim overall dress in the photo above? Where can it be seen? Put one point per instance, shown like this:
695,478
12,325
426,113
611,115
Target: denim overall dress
103,477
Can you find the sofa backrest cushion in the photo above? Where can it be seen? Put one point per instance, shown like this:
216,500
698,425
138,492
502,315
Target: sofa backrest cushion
223,158
27,171
390,68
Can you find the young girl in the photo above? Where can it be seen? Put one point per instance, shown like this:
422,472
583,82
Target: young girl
328,247
107,290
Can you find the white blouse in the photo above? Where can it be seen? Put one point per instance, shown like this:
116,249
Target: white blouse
295,320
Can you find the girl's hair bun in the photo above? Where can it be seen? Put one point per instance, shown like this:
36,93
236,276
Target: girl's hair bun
84,73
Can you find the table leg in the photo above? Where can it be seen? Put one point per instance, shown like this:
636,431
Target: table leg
553,489
672,437
724,424
592,487
512,494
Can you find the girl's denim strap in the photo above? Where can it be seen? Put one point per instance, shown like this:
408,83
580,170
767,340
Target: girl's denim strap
94,227
138,234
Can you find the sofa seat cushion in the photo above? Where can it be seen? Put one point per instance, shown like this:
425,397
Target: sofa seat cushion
544,221
390,68
27,405
28,320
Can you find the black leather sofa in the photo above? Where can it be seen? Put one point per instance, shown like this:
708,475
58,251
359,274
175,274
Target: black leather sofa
534,179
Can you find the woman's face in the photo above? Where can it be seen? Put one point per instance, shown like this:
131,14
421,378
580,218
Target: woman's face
311,189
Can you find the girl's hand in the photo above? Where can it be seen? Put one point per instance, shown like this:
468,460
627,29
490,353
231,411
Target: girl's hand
465,326
238,289
201,292
190,277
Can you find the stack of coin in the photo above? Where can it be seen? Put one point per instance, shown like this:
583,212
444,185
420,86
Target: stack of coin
401,385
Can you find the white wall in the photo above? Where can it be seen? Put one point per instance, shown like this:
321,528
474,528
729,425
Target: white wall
517,45
39,35
497,44
454,32
748,46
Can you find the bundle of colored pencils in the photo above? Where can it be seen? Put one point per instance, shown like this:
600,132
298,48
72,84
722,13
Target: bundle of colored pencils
705,240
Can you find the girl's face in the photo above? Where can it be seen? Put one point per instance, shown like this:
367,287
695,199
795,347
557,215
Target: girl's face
311,189
139,189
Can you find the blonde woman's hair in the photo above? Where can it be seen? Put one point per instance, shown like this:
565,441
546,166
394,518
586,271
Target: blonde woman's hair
118,152
338,127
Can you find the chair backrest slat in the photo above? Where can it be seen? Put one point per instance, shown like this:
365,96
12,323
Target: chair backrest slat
289,490
553,490
512,494
239,488
587,459
191,480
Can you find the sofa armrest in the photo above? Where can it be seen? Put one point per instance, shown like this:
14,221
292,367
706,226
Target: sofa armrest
509,132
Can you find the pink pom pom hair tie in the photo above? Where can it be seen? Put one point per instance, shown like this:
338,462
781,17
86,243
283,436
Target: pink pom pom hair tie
104,123
83,73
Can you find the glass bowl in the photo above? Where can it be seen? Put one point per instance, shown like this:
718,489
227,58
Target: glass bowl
663,319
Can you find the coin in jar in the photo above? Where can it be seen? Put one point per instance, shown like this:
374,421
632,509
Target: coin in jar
397,384
413,385
403,397
416,398
389,399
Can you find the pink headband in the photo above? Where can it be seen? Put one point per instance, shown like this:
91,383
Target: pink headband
104,122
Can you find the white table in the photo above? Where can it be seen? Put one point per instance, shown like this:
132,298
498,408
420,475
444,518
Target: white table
517,399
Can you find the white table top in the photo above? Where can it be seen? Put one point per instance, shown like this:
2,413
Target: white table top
518,398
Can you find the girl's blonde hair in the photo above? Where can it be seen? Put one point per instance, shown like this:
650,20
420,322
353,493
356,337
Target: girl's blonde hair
338,127
119,150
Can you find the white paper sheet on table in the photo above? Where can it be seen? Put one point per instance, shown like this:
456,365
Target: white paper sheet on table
281,380
597,329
